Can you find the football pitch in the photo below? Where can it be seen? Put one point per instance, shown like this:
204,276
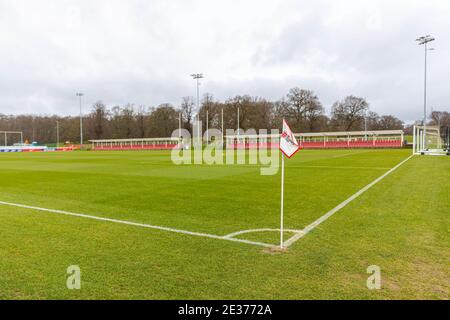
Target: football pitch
140,227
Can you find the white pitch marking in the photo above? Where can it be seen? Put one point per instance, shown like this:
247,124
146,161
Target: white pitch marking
136,224
340,167
234,234
229,237
313,225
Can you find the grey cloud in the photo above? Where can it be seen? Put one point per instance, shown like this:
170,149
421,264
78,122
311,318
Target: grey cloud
142,53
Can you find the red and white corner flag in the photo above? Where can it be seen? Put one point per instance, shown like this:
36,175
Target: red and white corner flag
288,144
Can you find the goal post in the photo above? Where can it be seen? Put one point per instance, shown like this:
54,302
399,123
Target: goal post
11,138
427,140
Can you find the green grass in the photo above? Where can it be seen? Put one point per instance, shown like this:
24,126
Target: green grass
401,224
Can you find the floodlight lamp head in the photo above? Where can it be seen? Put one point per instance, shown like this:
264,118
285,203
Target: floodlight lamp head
79,94
197,75
425,39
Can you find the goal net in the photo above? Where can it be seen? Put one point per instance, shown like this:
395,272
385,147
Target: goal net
427,140
10,138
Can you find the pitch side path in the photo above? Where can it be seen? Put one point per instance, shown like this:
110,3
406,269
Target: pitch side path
399,223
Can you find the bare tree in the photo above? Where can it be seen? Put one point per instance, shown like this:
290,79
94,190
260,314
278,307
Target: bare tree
259,116
389,123
140,116
207,108
99,120
441,118
163,121
127,121
373,120
348,114
232,107
314,110
187,111
278,112
303,108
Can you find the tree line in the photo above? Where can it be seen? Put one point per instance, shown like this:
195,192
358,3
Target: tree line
300,107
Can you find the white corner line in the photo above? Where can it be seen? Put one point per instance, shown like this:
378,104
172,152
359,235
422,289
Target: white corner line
313,225
238,233
136,224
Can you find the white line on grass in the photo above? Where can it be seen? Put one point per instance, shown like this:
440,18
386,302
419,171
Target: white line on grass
136,224
238,233
350,154
340,167
313,225
230,237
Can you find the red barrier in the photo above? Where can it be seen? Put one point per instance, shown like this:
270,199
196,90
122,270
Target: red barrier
135,147
261,145
269,145
352,144
64,149
325,145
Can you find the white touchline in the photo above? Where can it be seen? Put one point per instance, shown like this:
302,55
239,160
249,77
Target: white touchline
313,225
342,167
136,224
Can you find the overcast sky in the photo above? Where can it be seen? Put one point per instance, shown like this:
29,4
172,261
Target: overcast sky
142,52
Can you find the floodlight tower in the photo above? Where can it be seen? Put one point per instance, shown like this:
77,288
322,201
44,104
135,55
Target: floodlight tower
197,77
424,41
79,94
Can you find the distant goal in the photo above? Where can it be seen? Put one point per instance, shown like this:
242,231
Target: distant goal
427,140
11,141
10,138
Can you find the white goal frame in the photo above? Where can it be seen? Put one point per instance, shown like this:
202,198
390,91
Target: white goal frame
6,133
421,140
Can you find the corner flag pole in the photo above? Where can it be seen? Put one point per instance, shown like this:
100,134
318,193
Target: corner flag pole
288,146
282,201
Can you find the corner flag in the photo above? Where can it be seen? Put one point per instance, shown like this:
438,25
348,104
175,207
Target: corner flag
288,146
